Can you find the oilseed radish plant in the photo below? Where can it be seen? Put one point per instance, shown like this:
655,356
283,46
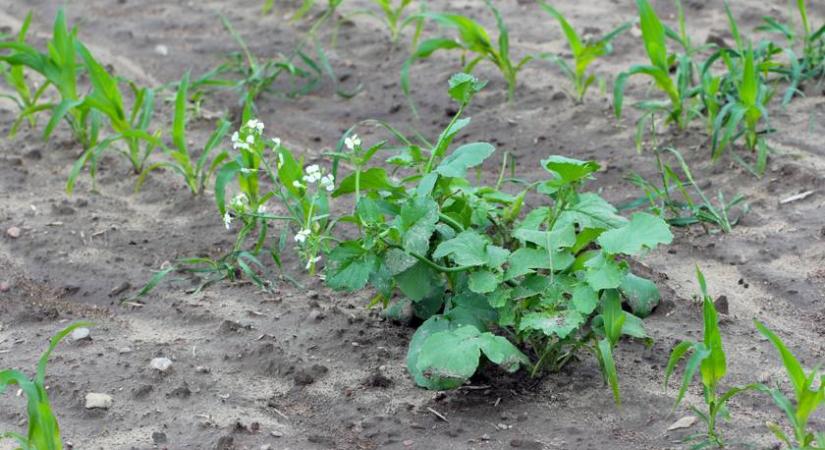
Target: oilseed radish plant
522,287
584,53
43,431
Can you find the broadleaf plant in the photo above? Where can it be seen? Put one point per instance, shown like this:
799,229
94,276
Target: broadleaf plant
489,278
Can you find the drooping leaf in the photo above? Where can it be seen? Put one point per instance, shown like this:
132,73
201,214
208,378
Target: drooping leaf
434,324
641,294
645,231
463,158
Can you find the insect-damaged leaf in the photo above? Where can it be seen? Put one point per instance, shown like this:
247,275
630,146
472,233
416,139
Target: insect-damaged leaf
463,158
560,323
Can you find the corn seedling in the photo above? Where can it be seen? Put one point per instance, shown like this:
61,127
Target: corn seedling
809,395
708,357
195,172
811,64
43,430
59,68
584,53
393,17
27,94
744,112
678,88
673,201
523,288
475,43
129,126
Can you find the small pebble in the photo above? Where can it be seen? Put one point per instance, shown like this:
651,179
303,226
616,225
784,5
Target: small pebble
4,286
162,50
13,232
161,364
98,401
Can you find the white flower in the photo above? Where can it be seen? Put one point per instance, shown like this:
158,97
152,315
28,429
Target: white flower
328,182
312,261
302,235
261,209
250,139
255,125
247,170
276,141
240,145
297,184
239,202
236,137
313,169
352,141
280,160
227,220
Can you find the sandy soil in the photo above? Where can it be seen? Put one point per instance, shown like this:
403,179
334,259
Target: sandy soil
309,368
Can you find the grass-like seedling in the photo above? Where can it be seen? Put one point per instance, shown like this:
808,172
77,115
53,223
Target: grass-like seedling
195,172
27,95
811,65
584,53
708,357
43,430
394,18
475,43
809,394
673,201
59,68
521,287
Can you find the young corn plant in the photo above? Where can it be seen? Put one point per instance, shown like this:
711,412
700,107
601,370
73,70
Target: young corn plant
475,43
678,88
394,18
708,357
809,395
529,288
811,64
27,94
129,126
59,68
744,113
196,172
43,430
584,53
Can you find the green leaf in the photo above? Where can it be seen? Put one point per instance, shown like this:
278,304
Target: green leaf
470,308
463,158
468,248
464,86
349,267
374,179
447,359
398,261
483,281
714,366
641,294
417,223
562,236
417,282
560,323
524,260
605,354
592,211
569,170
603,272
434,324
644,231
585,299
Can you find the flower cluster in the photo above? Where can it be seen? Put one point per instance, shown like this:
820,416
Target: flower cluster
352,142
302,235
247,135
313,174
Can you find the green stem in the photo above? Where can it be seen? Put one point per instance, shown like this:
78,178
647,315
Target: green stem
429,166
425,260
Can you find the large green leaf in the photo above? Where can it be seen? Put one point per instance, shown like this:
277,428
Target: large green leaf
641,294
417,224
417,282
592,211
483,281
349,267
374,179
525,260
560,323
434,324
463,158
468,248
603,272
644,231
569,170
